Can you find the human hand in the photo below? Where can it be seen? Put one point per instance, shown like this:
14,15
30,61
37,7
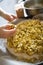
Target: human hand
7,31
7,16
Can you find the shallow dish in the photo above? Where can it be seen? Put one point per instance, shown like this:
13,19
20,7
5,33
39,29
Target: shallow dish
12,50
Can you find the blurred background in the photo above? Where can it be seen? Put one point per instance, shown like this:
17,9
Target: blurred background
8,6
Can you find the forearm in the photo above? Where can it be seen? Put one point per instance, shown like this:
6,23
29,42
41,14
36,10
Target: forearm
2,13
1,33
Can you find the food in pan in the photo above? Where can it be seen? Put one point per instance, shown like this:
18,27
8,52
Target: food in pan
28,40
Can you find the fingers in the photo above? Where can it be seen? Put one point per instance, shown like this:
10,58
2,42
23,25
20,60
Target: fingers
14,16
8,26
11,17
8,16
7,31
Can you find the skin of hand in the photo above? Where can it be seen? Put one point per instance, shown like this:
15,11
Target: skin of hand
6,31
6,15
3,32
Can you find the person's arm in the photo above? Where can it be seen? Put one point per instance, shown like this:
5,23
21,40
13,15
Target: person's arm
4,33
6,15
